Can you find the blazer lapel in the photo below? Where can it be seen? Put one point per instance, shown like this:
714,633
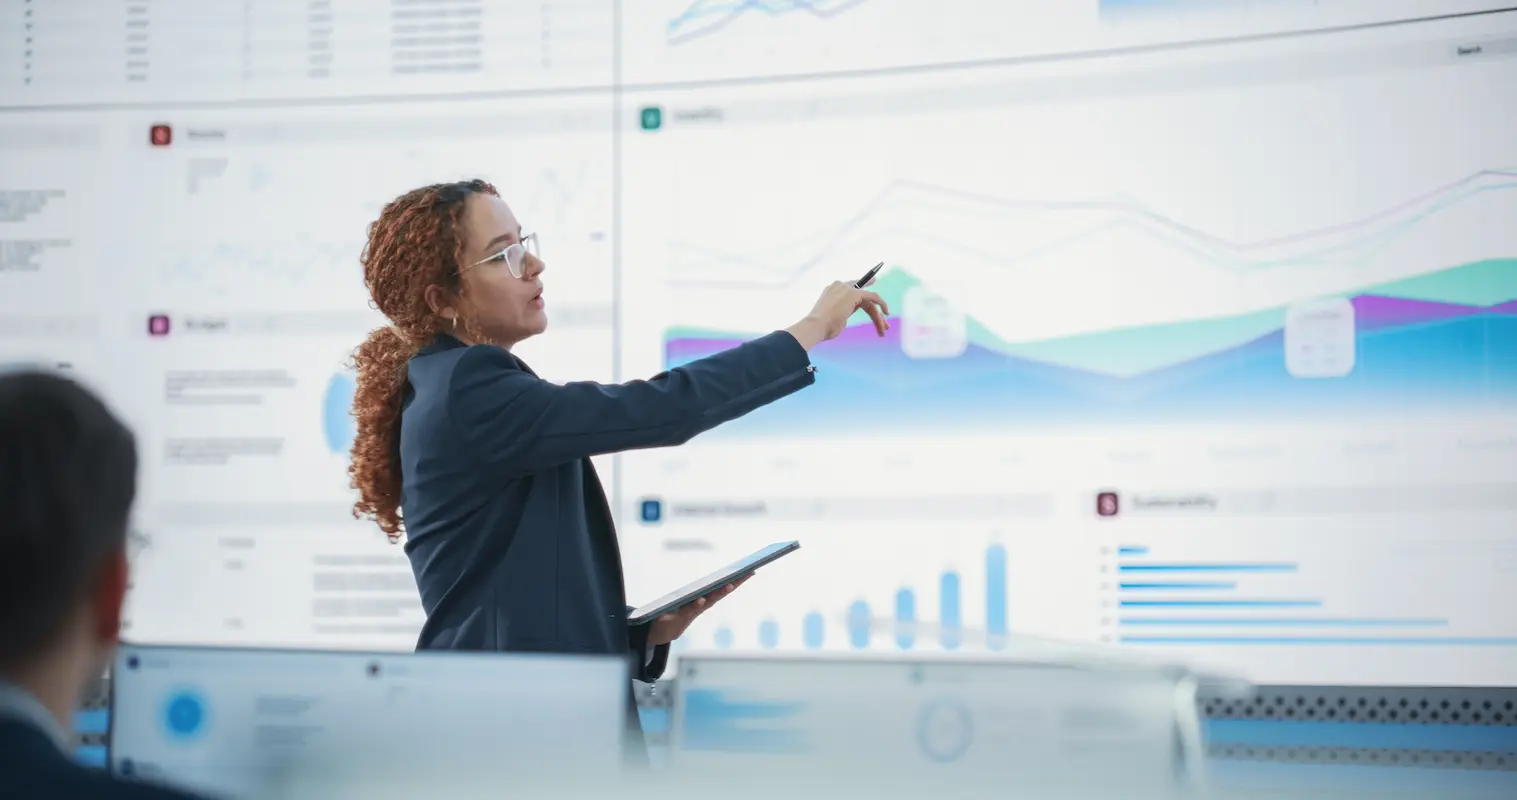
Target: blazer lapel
601,512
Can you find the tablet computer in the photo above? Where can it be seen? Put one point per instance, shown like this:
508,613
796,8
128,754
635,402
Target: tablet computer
695,590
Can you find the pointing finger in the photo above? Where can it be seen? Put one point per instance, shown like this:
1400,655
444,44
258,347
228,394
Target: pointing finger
873,311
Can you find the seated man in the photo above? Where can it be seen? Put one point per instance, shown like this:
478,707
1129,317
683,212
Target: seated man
68,474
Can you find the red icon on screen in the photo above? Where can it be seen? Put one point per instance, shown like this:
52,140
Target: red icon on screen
161,135
158,325
1107,504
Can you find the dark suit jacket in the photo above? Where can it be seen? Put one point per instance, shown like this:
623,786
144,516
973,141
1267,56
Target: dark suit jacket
32,766
508,530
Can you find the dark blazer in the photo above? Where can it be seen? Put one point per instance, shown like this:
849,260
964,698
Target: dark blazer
508,529
32,766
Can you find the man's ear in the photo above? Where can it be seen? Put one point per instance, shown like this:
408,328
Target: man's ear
109,597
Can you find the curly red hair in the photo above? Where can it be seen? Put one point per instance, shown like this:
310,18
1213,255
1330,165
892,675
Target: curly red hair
415,243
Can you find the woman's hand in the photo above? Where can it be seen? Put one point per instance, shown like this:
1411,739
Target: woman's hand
830,315
672,625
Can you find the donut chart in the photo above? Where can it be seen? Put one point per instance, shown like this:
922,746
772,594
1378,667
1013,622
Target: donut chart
945,730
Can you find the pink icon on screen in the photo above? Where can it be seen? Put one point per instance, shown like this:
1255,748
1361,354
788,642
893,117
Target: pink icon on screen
158,325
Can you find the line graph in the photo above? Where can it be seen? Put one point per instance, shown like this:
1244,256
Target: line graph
1072,222
705,17
313,244
228,268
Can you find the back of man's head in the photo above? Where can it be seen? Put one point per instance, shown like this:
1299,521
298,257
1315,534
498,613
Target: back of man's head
68,475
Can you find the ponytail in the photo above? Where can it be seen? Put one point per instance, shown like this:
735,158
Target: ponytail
414,245
375,469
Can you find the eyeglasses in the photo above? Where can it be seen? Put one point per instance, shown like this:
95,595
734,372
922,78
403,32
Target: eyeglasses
515,255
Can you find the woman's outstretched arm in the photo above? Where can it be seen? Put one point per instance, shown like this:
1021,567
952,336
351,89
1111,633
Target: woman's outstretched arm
519,423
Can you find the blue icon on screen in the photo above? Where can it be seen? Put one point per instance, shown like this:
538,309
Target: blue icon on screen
184,714
652,511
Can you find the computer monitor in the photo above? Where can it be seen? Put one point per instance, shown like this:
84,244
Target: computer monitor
964,722
281,723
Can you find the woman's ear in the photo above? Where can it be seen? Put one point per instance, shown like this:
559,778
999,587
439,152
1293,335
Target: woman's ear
441,301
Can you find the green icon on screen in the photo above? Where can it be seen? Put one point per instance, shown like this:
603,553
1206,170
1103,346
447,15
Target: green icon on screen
652,118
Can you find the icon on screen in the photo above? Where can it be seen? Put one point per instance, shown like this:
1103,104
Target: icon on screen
133,662
184,714
651,118
128,768
652,511
373,669
1107,504
158,325
161,135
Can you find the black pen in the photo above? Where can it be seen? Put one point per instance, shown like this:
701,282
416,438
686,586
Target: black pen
868,276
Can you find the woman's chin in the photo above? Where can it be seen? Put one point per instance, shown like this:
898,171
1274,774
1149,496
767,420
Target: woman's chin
538,322
521,330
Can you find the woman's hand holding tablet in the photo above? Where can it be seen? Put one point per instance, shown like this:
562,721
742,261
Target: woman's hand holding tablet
710,588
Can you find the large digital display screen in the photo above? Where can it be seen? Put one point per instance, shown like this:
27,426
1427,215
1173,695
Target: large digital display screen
1204,333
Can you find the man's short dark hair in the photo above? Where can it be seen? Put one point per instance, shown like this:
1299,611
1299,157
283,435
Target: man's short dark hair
68,476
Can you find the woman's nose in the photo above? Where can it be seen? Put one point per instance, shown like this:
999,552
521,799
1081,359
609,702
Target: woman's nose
533,266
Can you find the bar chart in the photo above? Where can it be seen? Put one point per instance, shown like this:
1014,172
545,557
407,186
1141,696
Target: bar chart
859,630
1162,600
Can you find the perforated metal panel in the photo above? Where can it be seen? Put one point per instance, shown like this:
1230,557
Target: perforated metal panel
1367,757
1400,705
1354,727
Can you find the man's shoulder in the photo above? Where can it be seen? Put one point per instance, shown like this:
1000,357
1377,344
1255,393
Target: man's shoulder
94,783
34,767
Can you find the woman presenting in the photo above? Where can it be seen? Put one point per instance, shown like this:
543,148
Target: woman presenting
507,528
